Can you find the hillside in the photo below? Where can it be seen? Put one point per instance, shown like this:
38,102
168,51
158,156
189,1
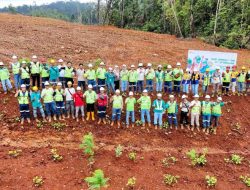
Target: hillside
24,36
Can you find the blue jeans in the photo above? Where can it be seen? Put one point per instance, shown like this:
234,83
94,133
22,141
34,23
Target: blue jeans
6,84
116,114
26,82
216,120
172,119
24,111
81,84
159,86
101,83
158,119
241,86
168,86
132,86
50,108
62,80
93,83
205,88
195,88
111,87
128,113
149,85
185,88
41,111
143,113
17,80
177,86
206,120
60,108
140,84
124,85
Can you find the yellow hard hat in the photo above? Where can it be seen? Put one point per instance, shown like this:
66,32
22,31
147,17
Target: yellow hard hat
243,68
52,61
34,88
207,69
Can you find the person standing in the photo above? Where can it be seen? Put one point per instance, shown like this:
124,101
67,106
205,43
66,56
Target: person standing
101,75
132,79
81,80
234,75
91,76
141,76
159,109
5,78
216,81
168,79
177,77
195,107
15,66
44,70
59,94
117,77
69,73
124,79
172,108
184,106
195,78
53,73
242,81
110,81
91,98
35,71
206,81
150,75
186,82
61,68
102,103
25,75
226,79
117,101
206,114
159,75
69,91
145,102
79,103
130,108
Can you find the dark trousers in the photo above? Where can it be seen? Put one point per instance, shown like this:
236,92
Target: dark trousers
81,84
184,118
117,84
35,80
225,87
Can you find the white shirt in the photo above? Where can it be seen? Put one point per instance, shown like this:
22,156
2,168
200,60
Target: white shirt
80,74
62,72
184,106
141,74
68,93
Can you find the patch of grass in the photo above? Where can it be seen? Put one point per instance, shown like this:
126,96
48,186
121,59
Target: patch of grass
169,160
58,126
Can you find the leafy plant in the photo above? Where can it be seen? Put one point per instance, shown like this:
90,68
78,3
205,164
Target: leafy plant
55,156
15,153
88,145
165,125
118,151
39,124
168,160
58,126
235,159
198,159
170,179
211,180
131,182
38,181
138,122
246,180
97,180
132,156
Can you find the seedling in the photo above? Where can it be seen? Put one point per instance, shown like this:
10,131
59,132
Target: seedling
15,153
16,119
97,180
138,123
58,126
235,159
165,125
55,156
38,181
39,124
198,159
170,179
88,145
118,151
131,182
245,180
132,156
211,181
169,160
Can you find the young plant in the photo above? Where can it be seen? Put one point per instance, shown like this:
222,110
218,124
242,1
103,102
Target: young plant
118,151
198,159
236,159
15,153
165,125
170,179
138,123
211,181
132,156
97,180
88,145
38,181
131,182
39,124
55,156
169,160
58,126
245,180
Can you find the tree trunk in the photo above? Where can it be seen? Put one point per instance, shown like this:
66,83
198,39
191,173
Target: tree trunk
216,19
122,13
176,19
192,19
109,3
98,11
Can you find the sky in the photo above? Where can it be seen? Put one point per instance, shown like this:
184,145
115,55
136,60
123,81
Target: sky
15,3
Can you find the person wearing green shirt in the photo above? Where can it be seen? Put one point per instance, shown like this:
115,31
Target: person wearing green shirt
69,73
35,71
168,79
15,66
117,102
241,79
150,75
59,94
90,75
5,78
226,81
145,102
159,75
25,75
206,114
177,77
172,108
124,79
130,108
44,71
159,108
91,98
195,107
101,75
132,78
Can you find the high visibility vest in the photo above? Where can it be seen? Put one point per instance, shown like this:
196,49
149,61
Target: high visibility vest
172,107
206,80
124,75
195,109
25,73
227,77
206,108
117,101
177,72
44,72
4,74
150,75
242,77
216,109
35,67
168,77
23,98
159,105
58,95
15,68
68,72
91,74
48,95
133,76
159,76
90,97
101,73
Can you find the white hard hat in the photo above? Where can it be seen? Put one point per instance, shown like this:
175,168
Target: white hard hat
90,65
78,88
145,90
34,57
187,69
171,96
130,93
196,96
1,64
132,66
219,98
184,96
59,84
23,62
60,61
102,63
169,67
90,86
140,64
149,64
46,83
102,89
207,97
117,91
110,68
14,57
159,65
116,66
217,68
178,64
124,65
159,95
23,86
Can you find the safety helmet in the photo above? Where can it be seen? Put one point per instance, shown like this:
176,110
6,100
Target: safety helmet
34,88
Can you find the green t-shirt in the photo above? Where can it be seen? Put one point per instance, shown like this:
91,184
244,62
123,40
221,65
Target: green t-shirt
117,101
90,97
130,102
145,102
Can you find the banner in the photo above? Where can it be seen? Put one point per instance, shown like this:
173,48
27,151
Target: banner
201,60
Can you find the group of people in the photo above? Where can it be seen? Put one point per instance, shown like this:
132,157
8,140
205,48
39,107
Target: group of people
105,87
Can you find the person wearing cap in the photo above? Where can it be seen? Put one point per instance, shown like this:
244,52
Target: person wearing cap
69,73
101,75
206,114
195,107
130,108
117,77
15,66
79,103
48,100
91,76
117,105
23,100
195,78
241,79
216,81
248,81
234,74
159,106
61,68
177,73
25,74
110,80
35,98
53,72
226,79
168,79
5,78
35,71
141,76
184,106
69,91
81,80
91,98
186,81
150,75
172,108
124,79
159,76
59,94
132,78
206,78
44,71
102,103
145,104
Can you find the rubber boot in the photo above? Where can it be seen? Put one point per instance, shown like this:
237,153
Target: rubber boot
88,115
93,116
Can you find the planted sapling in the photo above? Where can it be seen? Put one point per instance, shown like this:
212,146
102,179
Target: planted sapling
118,151
55,156
131,182
38,181
170,179
245,180
88,145
132,156
211,181
235,159
97,180
169,160
198,159
15,153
